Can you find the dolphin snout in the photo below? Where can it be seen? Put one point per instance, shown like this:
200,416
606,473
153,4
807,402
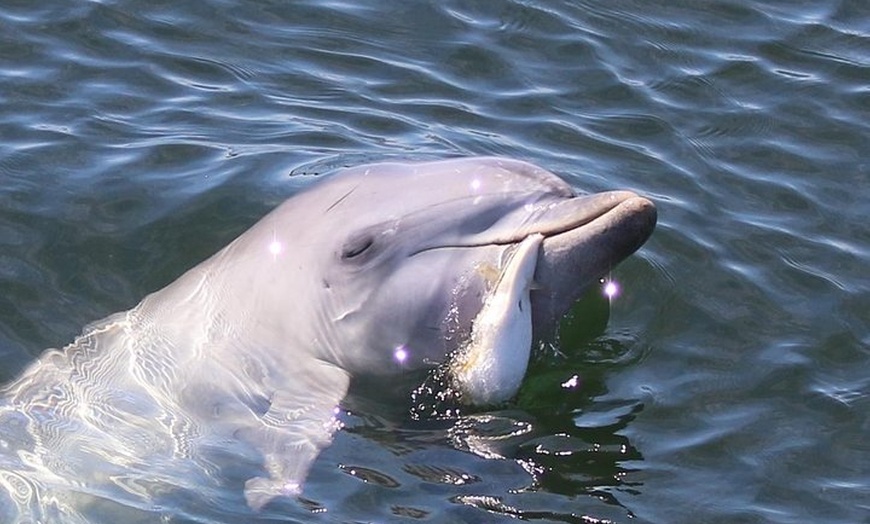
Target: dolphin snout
573,259
636,220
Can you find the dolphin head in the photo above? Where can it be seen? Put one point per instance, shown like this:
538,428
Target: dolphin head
399,259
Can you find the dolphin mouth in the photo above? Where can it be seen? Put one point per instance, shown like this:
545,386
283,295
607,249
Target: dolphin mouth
585,237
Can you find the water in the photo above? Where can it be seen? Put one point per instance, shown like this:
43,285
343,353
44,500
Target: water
731,382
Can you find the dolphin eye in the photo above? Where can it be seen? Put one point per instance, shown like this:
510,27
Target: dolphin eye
356,246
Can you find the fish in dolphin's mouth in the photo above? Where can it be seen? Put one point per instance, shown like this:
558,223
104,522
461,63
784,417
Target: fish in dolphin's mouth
489,368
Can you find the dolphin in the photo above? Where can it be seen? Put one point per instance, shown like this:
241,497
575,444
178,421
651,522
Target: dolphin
372,273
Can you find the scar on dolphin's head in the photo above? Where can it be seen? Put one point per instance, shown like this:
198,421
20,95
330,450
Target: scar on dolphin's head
341,199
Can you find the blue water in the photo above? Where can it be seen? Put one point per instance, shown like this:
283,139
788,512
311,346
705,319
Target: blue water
731,383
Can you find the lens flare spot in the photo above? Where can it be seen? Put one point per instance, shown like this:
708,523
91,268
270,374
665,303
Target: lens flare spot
611,289
475,184
275,247
400,354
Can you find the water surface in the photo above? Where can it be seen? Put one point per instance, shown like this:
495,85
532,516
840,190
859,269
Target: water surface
731,383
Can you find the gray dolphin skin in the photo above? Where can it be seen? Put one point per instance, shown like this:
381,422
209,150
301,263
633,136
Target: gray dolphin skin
373,272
